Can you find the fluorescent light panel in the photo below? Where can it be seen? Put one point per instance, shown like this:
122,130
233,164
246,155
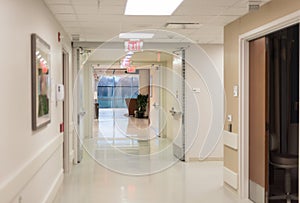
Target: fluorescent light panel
135,35
151,7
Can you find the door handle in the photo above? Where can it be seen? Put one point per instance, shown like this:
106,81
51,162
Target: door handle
174,113
81,114
155,105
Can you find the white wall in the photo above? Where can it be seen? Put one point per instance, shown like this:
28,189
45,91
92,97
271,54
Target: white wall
199,108
24,154
204,110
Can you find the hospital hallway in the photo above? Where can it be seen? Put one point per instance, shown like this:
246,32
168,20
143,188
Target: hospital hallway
124,162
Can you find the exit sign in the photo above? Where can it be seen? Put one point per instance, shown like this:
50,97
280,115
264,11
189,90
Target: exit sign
133,45
131,69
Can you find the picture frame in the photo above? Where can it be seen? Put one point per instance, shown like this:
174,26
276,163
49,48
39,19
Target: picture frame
41,82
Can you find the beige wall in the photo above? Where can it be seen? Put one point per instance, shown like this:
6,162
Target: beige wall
268,13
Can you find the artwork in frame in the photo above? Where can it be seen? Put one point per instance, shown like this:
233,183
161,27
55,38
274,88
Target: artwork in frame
41,82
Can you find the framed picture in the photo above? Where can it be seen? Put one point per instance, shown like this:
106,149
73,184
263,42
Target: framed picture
41,93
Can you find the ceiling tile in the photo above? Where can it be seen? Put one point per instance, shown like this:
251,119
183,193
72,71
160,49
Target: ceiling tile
66,17
210,3
93,9
235,11
222,20
84,2
199,11
194,19
73,30
57,2
99,18
70,24
112,9
97,22
61,9
86,9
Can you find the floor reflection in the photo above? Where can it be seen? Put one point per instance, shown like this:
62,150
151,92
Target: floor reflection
128,145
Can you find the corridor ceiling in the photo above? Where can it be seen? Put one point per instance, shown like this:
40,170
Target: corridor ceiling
101,20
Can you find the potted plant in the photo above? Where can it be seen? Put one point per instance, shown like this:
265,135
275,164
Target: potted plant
142,101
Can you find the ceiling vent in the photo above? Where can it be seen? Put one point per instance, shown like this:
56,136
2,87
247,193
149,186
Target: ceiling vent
183,25
75,37
254,5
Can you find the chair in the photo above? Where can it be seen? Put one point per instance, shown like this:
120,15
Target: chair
286,162
131,105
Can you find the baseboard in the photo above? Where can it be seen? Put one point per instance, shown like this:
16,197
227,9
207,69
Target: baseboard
71,160
71,156
231,189
230,139
178,151
191,159
10,188
54,188
256,192
230,178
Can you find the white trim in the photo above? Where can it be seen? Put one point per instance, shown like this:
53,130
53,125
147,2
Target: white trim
257,192
273,26
278,24
244,120
230,177
191,159
10,188
55,187
71,155
230,139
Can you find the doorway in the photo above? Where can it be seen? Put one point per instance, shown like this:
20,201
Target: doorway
274,116
67,138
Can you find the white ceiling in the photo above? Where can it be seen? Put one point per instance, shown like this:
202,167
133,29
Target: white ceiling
102,23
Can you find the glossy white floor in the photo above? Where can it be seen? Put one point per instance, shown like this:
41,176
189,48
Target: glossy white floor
90,182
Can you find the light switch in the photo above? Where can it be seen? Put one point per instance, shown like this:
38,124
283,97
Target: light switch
235,91
196,90
229,118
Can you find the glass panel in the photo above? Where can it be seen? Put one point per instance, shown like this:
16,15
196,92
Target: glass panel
112,90
106,81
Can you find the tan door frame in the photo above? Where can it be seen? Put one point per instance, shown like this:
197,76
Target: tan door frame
244,39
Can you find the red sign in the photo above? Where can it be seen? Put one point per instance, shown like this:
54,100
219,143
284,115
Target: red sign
131,69
133,45
125,63
158,56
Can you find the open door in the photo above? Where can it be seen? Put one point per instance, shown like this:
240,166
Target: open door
257,120
155,100
177,110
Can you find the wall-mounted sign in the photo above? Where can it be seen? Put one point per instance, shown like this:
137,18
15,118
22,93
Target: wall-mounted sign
133,45
158,57
131,69
125,63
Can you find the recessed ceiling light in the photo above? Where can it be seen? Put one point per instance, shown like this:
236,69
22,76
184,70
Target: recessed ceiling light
135,35
151,7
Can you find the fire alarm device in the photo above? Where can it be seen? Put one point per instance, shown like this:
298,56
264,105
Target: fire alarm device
60,92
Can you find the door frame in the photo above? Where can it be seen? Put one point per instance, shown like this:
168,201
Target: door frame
155,73
67,164
243,131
